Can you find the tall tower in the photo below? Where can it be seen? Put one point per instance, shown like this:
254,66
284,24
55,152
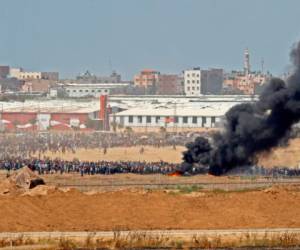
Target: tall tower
246,62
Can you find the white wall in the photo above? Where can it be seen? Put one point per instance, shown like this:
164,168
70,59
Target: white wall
86,91
161,122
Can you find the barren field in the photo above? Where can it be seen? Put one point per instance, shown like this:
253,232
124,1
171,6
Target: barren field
287,156
50,209
150,154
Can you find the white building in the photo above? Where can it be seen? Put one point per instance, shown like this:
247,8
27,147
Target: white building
166,117
89,89
192,82
30,75
15,72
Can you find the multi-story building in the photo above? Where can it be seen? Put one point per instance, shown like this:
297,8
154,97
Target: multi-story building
4,72
192,82
37,85
246,81
202,82
88,89
20,74
52,76
211,81
169,85
147,78
15,72
30,75
88,77
11,84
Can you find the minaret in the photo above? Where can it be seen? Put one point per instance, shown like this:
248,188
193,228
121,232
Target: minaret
246,62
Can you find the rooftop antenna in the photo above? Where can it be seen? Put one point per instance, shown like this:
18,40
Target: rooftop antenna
247,69
262,65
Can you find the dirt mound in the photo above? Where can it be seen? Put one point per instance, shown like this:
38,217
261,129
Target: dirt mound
20,181
134,209
41,190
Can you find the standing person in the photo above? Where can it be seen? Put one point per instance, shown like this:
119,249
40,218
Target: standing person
142,150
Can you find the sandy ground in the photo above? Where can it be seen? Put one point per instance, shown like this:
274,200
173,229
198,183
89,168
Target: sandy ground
150,154
140,209
288,156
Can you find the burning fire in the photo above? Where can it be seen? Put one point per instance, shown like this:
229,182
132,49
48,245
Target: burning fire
176,173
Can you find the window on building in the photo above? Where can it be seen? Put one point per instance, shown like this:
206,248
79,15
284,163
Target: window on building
157,118
197,88
105,90
74,90
148,119
193,81
198,75
203,121
93,90
86,90
198,81
185,119
188,81
193,74
193,88
188,88
130,119
99,90
194,120
213,119
176,119
188,75
140,119
80,90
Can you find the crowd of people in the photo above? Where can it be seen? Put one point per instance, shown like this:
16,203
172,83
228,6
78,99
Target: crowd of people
48,166
30,144
19,150
58,166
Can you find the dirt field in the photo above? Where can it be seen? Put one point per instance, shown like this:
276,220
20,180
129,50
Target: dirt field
150,154
140,209
288,156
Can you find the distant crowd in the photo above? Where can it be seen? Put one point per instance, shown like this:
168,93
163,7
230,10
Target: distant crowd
32,144
19,150
58,166
48,166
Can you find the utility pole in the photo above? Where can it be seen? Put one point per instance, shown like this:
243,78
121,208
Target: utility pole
175,117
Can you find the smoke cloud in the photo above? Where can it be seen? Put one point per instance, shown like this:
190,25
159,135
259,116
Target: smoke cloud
251,128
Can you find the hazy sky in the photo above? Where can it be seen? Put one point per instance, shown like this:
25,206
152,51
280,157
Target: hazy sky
71,36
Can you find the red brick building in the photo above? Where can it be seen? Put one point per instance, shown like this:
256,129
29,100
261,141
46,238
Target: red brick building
146,78
169,85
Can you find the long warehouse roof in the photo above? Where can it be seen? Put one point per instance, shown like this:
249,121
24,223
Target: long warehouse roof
172,112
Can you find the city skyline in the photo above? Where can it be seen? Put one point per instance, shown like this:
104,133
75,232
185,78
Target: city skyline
170,36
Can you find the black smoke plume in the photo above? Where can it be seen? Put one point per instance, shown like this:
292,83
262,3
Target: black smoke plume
251,128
